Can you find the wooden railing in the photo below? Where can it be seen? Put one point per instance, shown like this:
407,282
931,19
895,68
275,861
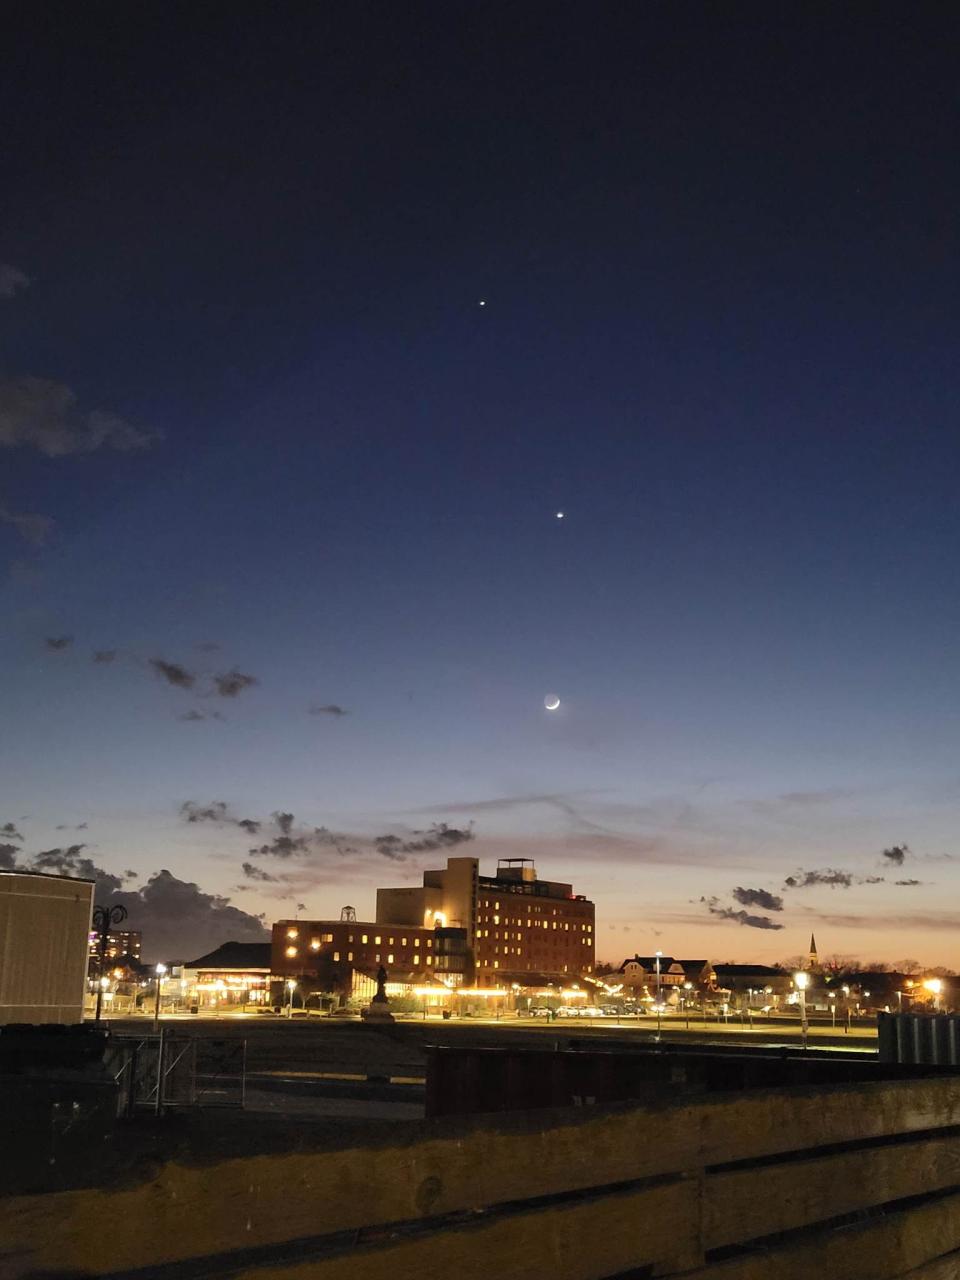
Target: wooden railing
855,1182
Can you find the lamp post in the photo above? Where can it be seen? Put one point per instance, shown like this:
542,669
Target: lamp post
659,1005
161,970
688,987
801,981
103,918
291,987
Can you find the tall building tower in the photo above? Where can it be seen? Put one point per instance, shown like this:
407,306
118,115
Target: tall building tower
814,962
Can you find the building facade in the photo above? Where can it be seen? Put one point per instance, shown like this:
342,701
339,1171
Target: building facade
458,927
515,923
44,925
120,944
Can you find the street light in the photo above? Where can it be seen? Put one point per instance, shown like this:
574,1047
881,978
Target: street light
103,918
291,987
934,986
801,981
659,1004
161,970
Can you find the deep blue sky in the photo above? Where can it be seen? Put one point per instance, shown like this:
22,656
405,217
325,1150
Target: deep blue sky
717,248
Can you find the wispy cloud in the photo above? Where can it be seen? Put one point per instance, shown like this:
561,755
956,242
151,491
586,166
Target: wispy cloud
253,872
194,715
233,682
173,673
758,898
58,643
716,908
39,414
33,528
896,855
9,831
11,280
439,836
218,813
328,709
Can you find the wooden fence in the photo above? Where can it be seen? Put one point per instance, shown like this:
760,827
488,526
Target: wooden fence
853,1182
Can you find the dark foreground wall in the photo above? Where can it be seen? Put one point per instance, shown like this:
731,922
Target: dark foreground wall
58,1104
858,1182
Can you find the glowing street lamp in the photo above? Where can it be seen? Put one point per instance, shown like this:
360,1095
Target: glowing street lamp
659,1002
801,981
161,970
934,986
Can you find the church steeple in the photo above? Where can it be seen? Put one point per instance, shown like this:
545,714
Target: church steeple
814,960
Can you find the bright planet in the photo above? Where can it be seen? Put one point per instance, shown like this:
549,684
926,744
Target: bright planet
551,702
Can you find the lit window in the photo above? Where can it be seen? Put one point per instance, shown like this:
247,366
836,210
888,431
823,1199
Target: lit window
403,942
390,942
496,919
376,940
293,933
429,959
336,955
496,906
349,955
390,958
291,951
377,957
496,964
429,942
350,937
314,944
328,937
363,938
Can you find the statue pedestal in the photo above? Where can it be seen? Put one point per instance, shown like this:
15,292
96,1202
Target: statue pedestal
378,1010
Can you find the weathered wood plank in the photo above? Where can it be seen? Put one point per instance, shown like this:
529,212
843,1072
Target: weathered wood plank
947,1268
745,1204
885,1248
582,1241
747,1126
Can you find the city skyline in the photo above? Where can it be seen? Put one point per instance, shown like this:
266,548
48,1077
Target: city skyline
307,345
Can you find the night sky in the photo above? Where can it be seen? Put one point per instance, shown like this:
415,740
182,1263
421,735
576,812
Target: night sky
312,318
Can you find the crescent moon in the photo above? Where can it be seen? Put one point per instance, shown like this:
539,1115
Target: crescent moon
551,702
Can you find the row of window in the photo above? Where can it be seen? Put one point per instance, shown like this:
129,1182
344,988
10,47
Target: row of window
377,959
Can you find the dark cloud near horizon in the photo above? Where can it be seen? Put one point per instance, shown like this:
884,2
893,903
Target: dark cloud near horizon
173,672
58,643
40,414
233,682
907,883
715,907
758,898
896,854
8,856
71,861
10,832
180,922
328,709
104,655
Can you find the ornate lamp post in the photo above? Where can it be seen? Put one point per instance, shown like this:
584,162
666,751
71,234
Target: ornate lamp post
103,919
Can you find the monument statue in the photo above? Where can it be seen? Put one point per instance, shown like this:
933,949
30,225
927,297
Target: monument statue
378,1010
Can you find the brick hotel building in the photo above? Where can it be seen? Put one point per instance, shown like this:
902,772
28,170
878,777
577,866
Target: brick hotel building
458,925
